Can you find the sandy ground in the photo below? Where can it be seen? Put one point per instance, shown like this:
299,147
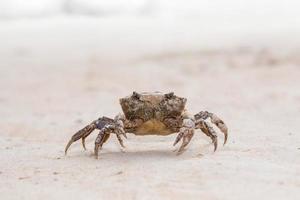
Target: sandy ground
44,99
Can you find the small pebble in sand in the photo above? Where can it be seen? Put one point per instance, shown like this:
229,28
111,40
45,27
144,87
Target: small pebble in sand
23,177
200,155
118,173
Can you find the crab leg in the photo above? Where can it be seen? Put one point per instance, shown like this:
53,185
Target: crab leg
187,136
101,138
203,115
87,130
186,133
83,133
120,141
104,139
83,143
117,127
209,131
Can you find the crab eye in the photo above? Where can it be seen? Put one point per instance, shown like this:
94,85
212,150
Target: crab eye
136,95
169,95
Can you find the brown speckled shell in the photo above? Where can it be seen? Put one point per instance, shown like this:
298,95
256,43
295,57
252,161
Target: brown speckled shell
155,105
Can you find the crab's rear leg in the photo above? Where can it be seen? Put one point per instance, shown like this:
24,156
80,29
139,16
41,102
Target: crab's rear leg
208,130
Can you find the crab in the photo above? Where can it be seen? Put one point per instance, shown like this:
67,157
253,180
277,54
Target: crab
152,114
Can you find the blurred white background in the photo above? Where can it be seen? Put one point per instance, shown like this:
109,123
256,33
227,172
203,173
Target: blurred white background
64,63
257,10
134,28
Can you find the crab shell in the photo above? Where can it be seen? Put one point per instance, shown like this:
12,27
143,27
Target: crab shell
155,105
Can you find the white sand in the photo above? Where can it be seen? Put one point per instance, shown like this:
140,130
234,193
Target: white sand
52,85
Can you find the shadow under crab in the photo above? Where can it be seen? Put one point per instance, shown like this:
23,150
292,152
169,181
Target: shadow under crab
152,114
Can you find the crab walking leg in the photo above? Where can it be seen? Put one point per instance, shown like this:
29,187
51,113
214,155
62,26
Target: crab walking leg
98,143
83,141
101,138
104,139
85,136
186,140
120,141
186,133
87,130
215,120
180,135
209,131
119,130
83,133
104,135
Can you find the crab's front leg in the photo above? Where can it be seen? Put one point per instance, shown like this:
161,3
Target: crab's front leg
207,129
186,133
